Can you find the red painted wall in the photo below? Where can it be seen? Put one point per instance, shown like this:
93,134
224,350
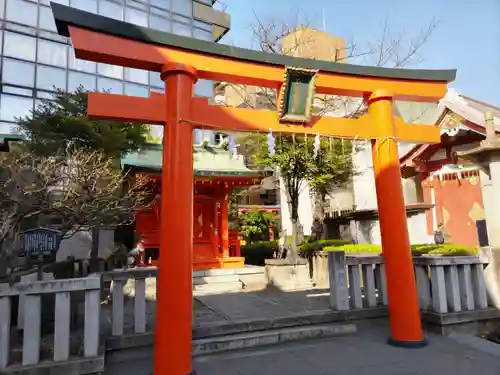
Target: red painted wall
459,204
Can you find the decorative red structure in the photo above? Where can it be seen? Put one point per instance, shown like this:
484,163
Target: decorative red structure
181,62
446,182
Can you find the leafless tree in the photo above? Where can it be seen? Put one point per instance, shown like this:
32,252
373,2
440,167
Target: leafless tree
72,191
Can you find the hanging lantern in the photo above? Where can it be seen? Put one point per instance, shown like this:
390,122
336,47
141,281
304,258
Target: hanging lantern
316,145
270,143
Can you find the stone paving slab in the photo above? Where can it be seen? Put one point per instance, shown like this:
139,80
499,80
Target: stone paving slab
266,303
366,353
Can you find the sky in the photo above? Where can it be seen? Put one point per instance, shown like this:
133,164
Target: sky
467,36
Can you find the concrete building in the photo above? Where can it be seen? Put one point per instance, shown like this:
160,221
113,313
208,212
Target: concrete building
35,59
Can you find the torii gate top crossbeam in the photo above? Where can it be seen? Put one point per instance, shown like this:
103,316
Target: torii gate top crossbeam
106,40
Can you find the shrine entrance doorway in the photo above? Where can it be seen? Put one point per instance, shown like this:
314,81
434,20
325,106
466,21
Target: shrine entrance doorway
205,232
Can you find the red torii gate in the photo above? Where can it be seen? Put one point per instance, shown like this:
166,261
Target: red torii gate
181,62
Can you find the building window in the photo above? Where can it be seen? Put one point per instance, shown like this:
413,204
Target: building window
203,25
17,91
110,85
80,65
63,2
18,73
20,46
155,80
165,4
136,17
22,12
202,34
159,23
184,7
86,5
46,20
13,107
2,8
181,29
204,88
81,79
136,75
137,4
111,10
112,71
47,78
136,90
52,53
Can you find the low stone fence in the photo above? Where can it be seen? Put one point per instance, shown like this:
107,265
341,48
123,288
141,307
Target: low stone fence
451,290
68,351
137,283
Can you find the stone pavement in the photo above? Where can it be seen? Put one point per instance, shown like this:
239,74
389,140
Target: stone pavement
265,303
366,353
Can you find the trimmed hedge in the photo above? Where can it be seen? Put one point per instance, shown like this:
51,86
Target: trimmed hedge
448,249
321,244
256,253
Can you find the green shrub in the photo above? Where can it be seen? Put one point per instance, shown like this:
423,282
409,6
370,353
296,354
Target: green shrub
257,253
357,248
419,249
321,244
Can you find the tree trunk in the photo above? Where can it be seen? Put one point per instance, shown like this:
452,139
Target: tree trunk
94,251
319,212
294,217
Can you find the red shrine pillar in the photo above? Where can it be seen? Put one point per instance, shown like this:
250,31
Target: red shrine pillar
404,313
224,219
173,335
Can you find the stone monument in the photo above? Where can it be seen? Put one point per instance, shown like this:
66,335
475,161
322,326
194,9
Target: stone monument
487,157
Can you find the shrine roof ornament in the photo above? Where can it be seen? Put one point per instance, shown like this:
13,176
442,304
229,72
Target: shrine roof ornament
217,61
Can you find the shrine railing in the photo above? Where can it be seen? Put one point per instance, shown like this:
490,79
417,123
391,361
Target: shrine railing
445,284
32,347
131,294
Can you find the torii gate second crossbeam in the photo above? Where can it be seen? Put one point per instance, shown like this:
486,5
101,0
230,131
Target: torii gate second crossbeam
181,61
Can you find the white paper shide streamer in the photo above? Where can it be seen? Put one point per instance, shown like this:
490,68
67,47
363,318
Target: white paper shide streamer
316,145
270,143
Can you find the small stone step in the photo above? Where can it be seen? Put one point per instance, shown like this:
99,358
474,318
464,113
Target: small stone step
215,279
269,337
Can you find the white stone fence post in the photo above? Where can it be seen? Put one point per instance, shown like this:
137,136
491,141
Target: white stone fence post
32,338
139,283
445,284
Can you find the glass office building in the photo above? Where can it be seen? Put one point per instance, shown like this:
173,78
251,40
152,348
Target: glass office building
34,58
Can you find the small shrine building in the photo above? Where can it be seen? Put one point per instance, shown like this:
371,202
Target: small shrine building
217,172
446,182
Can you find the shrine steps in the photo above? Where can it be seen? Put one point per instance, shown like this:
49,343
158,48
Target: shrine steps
248,340
141,349
226,280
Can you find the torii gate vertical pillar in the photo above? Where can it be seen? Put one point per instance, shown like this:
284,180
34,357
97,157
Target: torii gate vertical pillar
404,313
172,350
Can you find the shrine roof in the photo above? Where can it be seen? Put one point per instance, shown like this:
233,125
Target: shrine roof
208,161
66,16
460,111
